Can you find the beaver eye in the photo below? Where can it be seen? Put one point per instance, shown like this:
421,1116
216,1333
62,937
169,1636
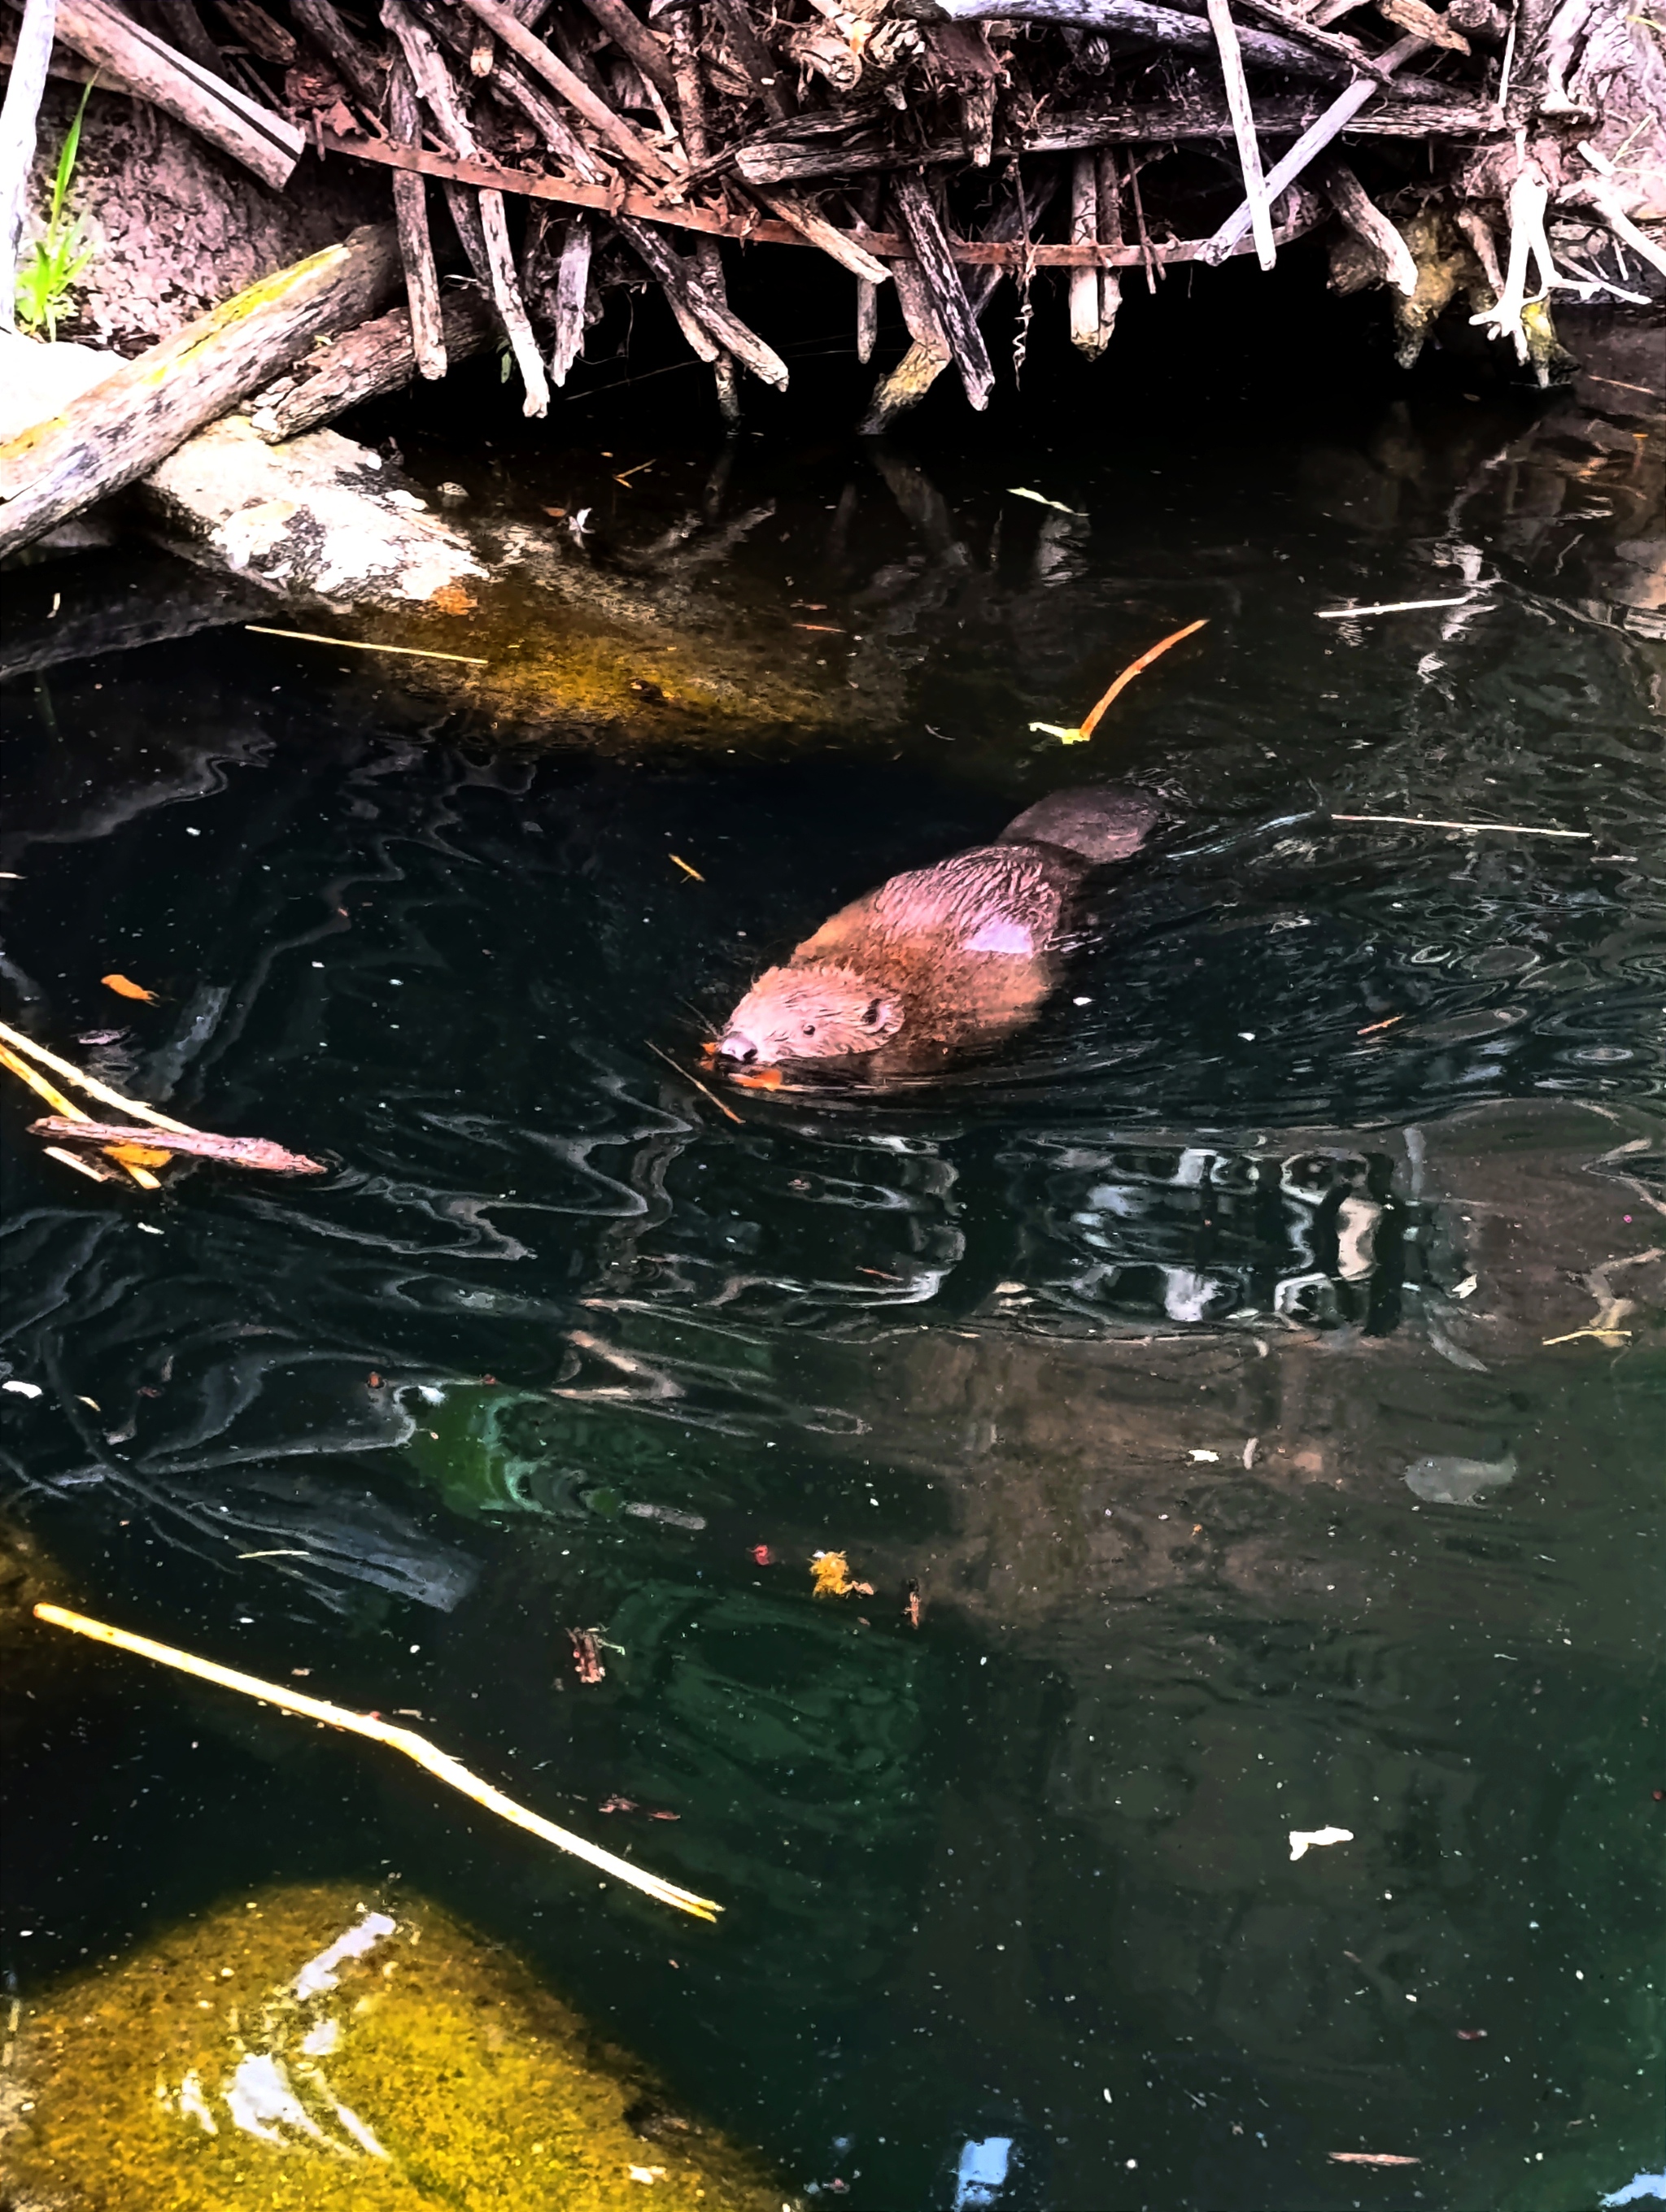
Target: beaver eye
810,1028
871,1016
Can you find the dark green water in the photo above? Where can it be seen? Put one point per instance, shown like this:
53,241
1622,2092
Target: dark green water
1189,1357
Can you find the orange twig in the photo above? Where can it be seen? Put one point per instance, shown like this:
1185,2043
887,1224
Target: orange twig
1091,722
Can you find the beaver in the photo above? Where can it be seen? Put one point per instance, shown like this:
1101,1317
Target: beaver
940,957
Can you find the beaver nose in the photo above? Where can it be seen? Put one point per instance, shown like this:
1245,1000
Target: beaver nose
736,1047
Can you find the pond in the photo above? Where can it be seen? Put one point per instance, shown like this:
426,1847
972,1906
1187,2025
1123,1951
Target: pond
1238,1399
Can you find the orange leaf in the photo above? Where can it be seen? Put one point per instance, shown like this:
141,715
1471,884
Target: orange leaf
832,1570
124,987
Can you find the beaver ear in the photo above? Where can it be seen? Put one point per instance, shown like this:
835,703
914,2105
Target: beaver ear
873,1014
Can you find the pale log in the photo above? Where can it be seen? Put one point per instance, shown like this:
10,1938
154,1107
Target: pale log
1243,130
122,428
1084,287
378,357
135,60
416,245
572,288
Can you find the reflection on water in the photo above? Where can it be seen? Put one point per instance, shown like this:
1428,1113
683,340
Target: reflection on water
1251,1375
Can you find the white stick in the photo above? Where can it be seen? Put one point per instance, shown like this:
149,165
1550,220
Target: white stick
438,1763
17,122
1394,607
1427,822
1243,130
1311,143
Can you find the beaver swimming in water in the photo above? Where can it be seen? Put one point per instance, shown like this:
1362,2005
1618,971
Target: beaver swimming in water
933,960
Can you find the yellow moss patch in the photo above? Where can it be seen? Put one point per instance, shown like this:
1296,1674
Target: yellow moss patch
200,2074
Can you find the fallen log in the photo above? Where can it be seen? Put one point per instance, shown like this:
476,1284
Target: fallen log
379,357
147,409
129,56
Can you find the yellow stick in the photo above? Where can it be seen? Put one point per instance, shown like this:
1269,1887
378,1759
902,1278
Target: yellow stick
358,645
59,1103
90,1084
438,1763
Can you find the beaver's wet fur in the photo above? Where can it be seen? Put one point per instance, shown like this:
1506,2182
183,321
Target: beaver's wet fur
964,951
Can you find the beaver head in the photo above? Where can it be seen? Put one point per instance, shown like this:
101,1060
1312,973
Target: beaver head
815,1011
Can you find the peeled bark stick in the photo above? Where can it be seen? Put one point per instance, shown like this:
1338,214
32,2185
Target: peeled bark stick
1243,130
571,87
1367,221
342,48
1087,333
439,1764
838,244
121,428
1308,147
379,357
17,129
948,294
416,245
233,1152
135,60
572,289
438,95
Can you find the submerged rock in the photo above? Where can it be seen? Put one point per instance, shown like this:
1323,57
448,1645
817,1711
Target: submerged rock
302,2050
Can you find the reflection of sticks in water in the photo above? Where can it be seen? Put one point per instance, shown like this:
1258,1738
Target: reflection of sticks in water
1427,822
438,1763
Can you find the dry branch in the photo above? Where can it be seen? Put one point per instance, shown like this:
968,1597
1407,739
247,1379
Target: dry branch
380,357
416,245
129,56
198,1144
1243,130
942,282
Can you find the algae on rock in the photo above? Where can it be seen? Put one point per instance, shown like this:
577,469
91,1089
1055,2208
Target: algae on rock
302,2052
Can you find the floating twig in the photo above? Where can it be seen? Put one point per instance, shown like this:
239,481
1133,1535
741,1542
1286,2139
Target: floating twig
73,1115
89,1083
685,867
1428,822
1399,607
695,1080
439,1764
358,645
1090,721
234,1151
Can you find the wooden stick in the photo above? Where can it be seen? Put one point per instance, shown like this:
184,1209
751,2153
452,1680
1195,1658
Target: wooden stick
1427,822
687,288
979,253
378,357
439,1764
91,1085
1083,300
1243,130
1367,221
1108,180
73,1115
942,280
815,230
427,321
121,428
128,55
1091,722
342,48
17,141
695,1081
439,95
634,38
1311,143
364,645
571,87
572,289
1398,607
233,1152
1166,27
